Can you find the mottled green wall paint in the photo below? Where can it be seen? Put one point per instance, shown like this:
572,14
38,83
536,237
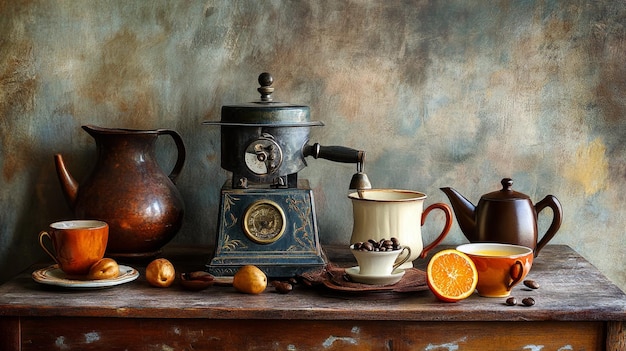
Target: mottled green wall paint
439,93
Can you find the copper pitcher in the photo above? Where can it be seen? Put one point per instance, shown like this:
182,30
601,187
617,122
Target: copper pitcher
128,190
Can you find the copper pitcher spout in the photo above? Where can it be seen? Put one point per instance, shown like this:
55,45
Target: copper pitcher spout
69,185
465,213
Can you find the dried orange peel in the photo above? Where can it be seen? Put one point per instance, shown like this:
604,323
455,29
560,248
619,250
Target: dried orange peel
452,276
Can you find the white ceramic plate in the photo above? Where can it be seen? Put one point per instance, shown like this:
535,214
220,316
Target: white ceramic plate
393,278
52,275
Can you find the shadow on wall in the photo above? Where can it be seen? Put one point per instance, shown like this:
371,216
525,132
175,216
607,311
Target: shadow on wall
40,203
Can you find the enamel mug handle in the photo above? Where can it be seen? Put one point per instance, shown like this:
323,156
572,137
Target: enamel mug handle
41,236
406,258
446,228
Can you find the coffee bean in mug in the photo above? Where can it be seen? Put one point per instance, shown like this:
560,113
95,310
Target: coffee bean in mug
76,244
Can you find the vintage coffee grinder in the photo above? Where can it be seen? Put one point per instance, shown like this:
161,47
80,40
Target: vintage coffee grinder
267,215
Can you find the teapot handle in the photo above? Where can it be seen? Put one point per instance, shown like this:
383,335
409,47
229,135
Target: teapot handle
555,205
446,228
180,146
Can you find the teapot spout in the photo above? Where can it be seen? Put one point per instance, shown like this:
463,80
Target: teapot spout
68,184
464,211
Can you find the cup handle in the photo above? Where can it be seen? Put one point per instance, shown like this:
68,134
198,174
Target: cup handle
519,268
406,258
446,228
41,235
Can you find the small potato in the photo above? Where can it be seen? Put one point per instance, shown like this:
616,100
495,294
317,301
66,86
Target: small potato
160,273
105,268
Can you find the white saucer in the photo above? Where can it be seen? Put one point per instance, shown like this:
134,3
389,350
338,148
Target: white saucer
52,275
393,278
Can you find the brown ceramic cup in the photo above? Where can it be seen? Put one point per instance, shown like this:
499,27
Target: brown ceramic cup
77,244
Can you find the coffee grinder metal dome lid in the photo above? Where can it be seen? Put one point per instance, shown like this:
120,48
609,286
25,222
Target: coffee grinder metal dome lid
266,142
265,112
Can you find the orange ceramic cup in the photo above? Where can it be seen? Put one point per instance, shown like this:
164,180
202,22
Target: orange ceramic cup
500,266
78,244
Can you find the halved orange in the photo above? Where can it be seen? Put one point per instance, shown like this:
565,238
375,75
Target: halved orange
452,276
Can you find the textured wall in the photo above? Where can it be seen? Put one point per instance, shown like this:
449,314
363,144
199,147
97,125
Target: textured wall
439,93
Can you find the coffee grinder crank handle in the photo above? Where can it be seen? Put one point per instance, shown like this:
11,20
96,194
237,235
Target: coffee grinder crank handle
334,153
342,154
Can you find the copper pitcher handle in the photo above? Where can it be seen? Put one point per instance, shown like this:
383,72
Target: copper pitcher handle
180,146
557,211
446,228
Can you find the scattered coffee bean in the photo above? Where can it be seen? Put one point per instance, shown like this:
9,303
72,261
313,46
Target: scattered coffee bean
511,301
531,284
282,287
528,301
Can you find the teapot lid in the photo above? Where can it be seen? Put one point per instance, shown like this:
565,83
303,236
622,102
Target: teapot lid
266,112
506,193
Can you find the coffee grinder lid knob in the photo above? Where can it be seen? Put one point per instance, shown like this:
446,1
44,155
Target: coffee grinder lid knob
266,80
265,112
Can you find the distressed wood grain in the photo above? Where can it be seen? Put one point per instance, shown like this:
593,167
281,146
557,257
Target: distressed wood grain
616,336
577,309
9,333
198,334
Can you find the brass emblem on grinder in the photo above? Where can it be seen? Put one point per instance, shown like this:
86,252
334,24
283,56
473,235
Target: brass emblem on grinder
264,222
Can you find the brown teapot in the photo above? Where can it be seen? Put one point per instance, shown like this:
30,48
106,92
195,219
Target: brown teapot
505,216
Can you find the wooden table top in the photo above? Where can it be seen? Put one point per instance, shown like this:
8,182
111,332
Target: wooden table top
571,289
